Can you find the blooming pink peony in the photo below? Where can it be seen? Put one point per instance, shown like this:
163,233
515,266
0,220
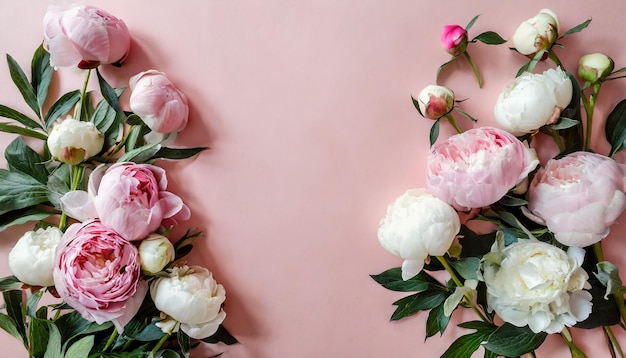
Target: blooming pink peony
129,198
84,36
478,167
454,39
579,196
97,272
161,106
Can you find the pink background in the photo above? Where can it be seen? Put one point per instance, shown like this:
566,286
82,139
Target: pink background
306,107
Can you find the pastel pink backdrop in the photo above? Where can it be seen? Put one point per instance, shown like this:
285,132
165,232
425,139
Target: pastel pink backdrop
306,107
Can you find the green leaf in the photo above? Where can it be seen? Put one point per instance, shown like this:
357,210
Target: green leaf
221,335
511,341
604,312
441,68
53,350
72,325
109,94
58,185
437,321
422,301
464,346
104,116
465,114
9,128
183,246
136,137
489,38
509,200
530,66
134,120
10,283
175,153
20,157
32,302
471,23
564,123
8,324
10,113
392,280
467,267
13,306
148,334
42,74
18,191
608,275
86,107
39,332
61,107
81,348
183,342
141,154
576,29
434,132
25,88
615,127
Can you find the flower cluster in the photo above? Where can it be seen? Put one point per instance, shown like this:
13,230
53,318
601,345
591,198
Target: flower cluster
520,239
103,240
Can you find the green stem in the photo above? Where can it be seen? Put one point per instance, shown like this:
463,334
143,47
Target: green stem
589,105
474,68
614,345
452,121
121,144
160,343
574,350
557,140
457,281
83,98
111,340
555,58
532,355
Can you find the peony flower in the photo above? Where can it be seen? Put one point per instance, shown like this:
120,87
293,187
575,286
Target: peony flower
537,33
72,141
435,101
579,197
192,297
84,37
595,67
478,167
454,39
129,198
533,100
539,285
155,252
32,258
417,225
97,273
161,106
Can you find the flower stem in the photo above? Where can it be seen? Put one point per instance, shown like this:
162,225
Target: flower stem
160,343
121,144
589,105
457,281
111,340
574,350
555,58
557,140
474,68
452,121
613,343
83,96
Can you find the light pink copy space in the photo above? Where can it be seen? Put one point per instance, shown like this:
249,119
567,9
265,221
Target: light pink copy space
306,107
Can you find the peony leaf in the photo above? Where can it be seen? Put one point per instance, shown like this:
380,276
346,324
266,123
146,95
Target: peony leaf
465,114
615,128
489,38
392,280
434,132
18,116
438,71
61,107
416,104
13,307
25,88
10,283
109,94
464,346
422,301
184,342
467,267
564,123
18,191
9,128
81,348
141,154
604,312
530,66
41,72
103,117
511,341
39,332
21,216
8,325
176,153
575,29
53,349
437,321
608,274
471,23
32,302
20,157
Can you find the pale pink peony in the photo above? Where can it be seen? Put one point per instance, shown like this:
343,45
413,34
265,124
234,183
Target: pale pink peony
161,106
129,198
478,167
579,197
97,272
84,36
454,39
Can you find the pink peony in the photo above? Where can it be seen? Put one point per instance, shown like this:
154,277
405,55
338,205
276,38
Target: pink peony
155,99
84,37
454,39
478,167
129,198
97,272
579,197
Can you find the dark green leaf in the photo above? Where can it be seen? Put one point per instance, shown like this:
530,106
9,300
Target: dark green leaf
416,104
81,348
437,321
464,346
42,74
53,350
136,137
465,114
479,326
21,216
471,23
10,283
13,306
141,154
422,301
39,332
564,123
474,244
434,132
58,184
72,324
467,267
20,157
103,117
134,120
183,246
530,66
175,153
149,333
604,312
222,335
8,325
508,200
489,38
86,107
18,191
576,29
25,88
109,94
32,302
61,107
392,280
511,341
10,113
615,128
9,128
183,342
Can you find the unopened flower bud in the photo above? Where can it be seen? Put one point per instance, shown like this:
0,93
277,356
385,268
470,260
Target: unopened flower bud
454,39
32,258
73,141
435,101
595,67
155,252
537,33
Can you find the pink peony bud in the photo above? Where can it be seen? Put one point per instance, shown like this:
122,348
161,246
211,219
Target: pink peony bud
435,101
454,39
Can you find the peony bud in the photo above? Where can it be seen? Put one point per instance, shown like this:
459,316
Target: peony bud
32,258
454,39
595,67
435,101
72,141
155,252
537,33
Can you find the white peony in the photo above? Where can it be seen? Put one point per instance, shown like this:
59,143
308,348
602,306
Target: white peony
417,225
537,33
532,100
192,297
155,252
537,284
435,101
72,141
32,258
595,67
